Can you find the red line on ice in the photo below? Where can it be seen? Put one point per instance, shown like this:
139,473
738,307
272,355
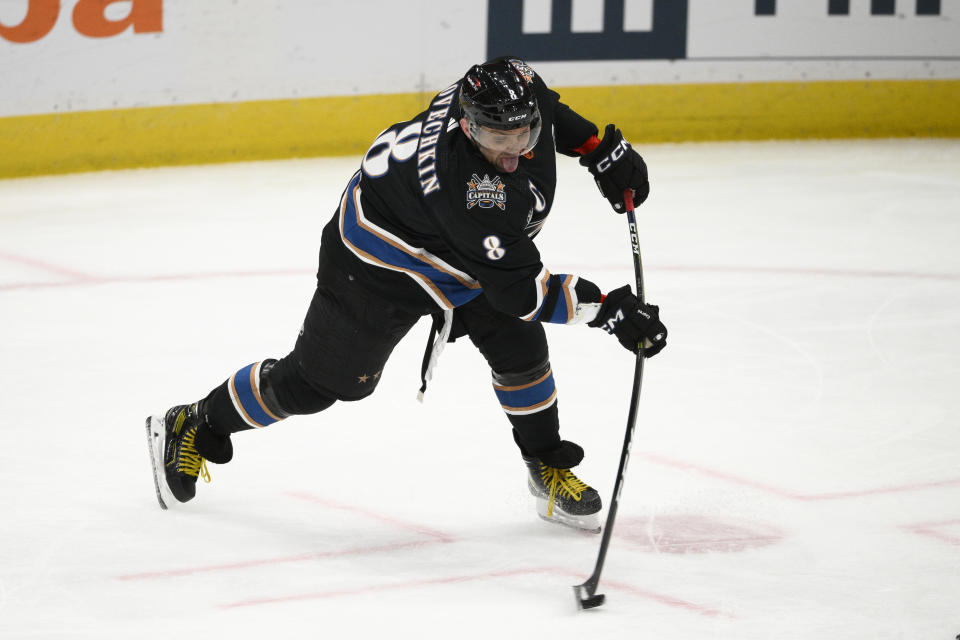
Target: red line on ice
665,599
82,279
247,564
931,529
373,588
78,277
806,271
799,271
178,277
793,495
433,533
896,489
333,593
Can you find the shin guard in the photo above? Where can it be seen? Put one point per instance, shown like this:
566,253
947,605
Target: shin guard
529,399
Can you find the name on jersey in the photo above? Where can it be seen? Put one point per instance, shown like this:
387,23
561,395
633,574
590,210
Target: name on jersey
486,192
427,149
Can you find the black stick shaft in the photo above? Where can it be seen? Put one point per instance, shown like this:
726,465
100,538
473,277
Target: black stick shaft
590,586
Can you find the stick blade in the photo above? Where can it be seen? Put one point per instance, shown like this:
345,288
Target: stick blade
586,599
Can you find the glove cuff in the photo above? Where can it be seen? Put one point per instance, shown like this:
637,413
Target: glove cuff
592,143
610,139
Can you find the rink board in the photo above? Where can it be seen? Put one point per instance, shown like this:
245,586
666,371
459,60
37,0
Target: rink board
336,126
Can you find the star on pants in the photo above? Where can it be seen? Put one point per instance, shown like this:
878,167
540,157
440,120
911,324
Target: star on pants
363,379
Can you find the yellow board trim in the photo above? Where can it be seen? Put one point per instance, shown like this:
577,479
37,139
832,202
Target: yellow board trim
337,126
776,110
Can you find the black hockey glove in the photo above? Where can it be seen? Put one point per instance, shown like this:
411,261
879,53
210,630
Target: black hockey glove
622,315
617,167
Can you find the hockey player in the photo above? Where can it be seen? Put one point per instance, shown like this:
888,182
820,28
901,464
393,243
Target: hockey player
440,220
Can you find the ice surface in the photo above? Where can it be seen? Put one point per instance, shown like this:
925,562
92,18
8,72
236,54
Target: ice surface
796,465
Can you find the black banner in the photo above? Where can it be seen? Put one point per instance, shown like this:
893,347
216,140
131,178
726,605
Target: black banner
667,40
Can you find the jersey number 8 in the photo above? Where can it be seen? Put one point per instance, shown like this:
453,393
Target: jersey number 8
492,245
401,146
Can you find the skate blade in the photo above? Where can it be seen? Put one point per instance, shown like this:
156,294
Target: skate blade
589,523
155,434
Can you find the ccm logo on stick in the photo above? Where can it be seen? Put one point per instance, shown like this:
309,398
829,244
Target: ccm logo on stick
89,19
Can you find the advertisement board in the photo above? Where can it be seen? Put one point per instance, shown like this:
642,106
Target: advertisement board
75,55
334,62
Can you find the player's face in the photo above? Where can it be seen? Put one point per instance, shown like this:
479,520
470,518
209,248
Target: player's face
502,148
510,141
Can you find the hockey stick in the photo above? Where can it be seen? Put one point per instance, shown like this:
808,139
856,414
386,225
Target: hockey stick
587,596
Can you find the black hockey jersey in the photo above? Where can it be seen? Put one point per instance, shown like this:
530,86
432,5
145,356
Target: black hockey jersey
429,224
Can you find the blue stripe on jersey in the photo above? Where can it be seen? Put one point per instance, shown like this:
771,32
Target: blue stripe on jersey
454,290
245,385
528,398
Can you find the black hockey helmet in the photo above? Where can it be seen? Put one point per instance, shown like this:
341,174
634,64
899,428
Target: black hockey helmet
499,95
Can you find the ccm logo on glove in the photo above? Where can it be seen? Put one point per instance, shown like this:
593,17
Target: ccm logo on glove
605,163
610,326
636,325
616,167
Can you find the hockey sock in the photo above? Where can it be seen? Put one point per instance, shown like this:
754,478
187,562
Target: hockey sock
529,399
259,395
239,404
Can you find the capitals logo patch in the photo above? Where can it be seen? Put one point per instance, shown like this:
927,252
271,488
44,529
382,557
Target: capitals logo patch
486,192
523,69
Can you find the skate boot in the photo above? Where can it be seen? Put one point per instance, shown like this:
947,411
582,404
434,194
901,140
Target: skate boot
562,497
176,441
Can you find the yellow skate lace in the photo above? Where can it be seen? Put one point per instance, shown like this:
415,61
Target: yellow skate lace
189,460
561,481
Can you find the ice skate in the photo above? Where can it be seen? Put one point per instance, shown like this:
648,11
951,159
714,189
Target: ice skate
174,454
562,497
